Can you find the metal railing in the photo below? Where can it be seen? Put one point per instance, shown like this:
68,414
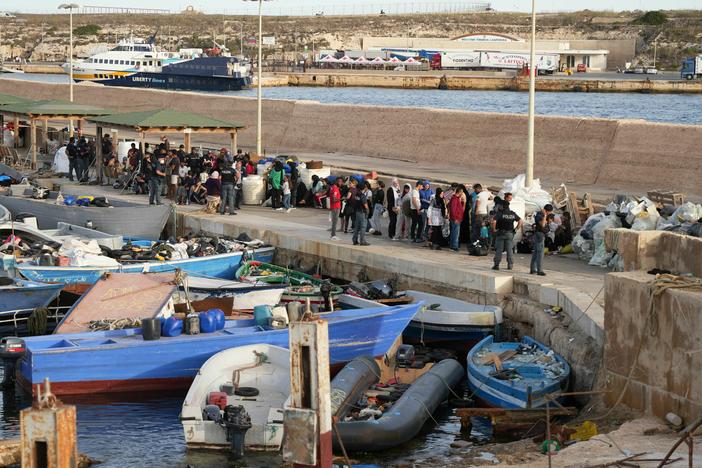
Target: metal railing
18,319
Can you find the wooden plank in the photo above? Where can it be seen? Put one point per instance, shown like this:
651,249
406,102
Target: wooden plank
514,414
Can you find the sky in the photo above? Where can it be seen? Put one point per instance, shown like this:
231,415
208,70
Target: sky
359,6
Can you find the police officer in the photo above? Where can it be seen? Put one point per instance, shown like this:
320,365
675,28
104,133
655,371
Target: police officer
228,178
503,225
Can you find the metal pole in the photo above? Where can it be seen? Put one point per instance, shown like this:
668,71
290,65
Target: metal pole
260,76
241,38
532,92
70,62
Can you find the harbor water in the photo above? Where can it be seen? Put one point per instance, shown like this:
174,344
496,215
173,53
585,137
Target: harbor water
145,431
669,108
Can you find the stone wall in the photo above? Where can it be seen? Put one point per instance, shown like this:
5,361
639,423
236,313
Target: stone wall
667,376
645,250
632,154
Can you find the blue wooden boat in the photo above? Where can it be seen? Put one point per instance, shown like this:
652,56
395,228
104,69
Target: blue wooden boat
21,295
122,361
213,266
530,371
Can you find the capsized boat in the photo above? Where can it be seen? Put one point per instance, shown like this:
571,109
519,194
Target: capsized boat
122,361
28,231
255,377
516,374
447,320
134,220
299,287
213,266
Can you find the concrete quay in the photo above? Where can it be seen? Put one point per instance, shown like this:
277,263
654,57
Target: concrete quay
451,80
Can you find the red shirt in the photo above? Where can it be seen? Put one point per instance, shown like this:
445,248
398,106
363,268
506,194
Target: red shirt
334,198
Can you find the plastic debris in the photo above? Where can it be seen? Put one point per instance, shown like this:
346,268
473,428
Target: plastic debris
585,431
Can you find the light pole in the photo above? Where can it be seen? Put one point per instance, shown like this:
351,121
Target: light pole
260,74
241,34
532,92
70,7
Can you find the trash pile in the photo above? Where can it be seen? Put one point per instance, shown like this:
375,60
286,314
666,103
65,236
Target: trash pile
638,214
535,198
81,253
377,400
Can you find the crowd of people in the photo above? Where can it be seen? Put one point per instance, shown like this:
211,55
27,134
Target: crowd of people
438,218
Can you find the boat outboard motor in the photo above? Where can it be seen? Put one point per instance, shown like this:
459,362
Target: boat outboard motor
325,290
236,422
11,349
380,290
405,355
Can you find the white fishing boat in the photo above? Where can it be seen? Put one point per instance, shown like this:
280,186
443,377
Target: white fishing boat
444,319
255,377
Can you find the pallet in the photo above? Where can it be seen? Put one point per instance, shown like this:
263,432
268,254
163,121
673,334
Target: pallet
666,197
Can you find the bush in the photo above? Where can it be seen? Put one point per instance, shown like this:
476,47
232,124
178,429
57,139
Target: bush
652,18
87,30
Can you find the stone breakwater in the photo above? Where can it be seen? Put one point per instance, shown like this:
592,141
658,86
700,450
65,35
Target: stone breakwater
613,153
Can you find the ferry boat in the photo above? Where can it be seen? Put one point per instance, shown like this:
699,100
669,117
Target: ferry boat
136,63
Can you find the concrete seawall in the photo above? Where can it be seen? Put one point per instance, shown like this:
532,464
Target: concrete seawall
424,81
581,150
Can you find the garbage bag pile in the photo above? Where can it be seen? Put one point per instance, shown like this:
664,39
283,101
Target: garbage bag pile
535,197
638,214
81,253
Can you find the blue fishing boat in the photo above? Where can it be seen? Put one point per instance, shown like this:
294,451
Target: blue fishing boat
122,361
212,266
516,374
21,295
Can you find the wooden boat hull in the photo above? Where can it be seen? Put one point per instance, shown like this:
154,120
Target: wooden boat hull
121,361
127,219
214,266
27,295
527,392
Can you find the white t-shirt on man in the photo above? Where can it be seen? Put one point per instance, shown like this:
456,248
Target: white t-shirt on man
483,199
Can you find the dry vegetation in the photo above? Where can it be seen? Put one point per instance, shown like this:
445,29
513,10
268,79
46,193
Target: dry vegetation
679,36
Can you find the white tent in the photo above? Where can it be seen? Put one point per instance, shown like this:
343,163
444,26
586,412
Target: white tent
345,59
395,60
61,164
329,59
411,60
378,60
362,59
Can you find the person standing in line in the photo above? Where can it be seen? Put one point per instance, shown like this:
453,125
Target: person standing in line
239,187
503,225
335,205
457,208
361,217
276,179
425,196
416,213
286,193
294,180
540,229
73,163
393,206
481,209
436,220
227,177
156,177
378,208
406,209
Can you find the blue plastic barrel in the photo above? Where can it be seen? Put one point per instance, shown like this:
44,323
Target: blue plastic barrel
208,323
171,327
261,315
218,315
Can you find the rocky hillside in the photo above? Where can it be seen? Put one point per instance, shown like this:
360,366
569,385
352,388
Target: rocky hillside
45,37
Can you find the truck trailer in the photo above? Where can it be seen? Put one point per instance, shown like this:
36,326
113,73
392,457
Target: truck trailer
545,63
692,68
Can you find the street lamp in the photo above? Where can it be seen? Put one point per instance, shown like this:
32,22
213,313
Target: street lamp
260,74
532,91
70,7
241,34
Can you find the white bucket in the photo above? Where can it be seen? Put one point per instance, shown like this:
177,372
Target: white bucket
306,175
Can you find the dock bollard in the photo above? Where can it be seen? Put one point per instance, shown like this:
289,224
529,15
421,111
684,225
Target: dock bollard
308,425
48,432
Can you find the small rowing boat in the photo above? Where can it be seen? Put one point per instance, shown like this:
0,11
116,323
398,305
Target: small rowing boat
18,294
299,287
516,374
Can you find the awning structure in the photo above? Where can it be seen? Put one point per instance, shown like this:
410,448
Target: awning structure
44,111
164,121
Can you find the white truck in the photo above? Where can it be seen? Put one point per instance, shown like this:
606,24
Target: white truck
692,68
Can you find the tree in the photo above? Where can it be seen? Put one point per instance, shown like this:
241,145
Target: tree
87,30
652,18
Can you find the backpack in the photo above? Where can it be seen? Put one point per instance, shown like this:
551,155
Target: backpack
479,249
